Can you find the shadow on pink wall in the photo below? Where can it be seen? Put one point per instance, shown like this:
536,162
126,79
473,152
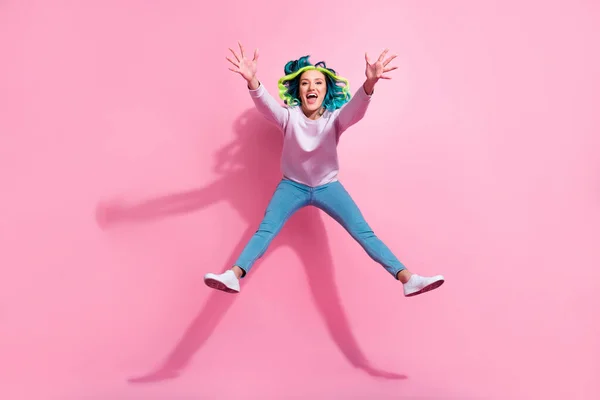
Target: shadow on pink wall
249,170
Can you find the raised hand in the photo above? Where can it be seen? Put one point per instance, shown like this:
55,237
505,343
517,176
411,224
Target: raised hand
375,71
242,65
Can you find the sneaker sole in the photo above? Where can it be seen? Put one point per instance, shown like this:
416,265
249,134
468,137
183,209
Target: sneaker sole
215,284
427,288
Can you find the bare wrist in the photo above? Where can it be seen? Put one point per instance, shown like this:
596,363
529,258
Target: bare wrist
253,83
369,86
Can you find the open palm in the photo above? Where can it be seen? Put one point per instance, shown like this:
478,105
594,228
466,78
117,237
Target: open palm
375,71
242,65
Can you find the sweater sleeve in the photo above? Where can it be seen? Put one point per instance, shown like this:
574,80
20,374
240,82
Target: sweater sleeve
353,111
269,107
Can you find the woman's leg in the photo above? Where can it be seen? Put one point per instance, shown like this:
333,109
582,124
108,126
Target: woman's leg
288,198
337,203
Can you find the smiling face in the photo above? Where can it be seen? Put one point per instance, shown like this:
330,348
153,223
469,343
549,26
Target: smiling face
312,91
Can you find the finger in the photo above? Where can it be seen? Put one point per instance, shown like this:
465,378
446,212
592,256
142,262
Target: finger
231,61
389,60
390,69
383,54
234,70
255,55
241,49
385,77
235,55
367,58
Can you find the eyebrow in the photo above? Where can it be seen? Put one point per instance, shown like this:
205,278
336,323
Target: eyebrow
306,79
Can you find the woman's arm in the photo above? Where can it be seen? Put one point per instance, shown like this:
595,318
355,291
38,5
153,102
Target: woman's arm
355,109
264,102
268,106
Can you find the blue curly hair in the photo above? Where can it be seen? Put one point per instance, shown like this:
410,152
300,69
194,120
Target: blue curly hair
338,88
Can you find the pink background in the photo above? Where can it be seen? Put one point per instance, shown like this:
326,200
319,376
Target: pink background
478,160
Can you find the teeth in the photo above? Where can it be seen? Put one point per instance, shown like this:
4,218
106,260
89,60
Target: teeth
312,95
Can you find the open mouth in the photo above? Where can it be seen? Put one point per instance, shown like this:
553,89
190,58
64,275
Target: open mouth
311,98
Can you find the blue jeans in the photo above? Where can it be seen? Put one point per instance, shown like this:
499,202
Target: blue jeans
333,199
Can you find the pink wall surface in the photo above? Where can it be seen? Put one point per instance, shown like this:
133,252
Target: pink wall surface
479,160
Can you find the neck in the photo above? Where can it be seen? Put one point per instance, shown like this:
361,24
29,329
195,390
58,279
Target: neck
316,114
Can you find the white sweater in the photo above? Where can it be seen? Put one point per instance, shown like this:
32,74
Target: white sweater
310,146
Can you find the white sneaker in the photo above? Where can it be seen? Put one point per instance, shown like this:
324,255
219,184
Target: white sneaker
419,284
227,282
